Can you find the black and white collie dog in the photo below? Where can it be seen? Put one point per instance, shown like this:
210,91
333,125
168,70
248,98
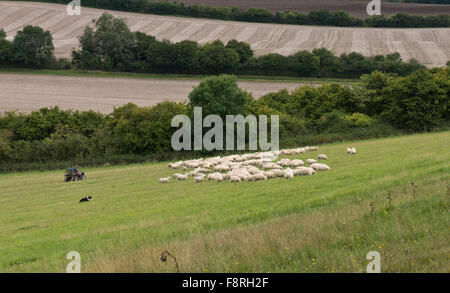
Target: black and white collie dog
87,198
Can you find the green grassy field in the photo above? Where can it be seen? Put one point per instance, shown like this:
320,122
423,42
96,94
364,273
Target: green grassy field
322,223
96,73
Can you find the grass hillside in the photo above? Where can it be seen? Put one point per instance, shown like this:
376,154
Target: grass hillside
392,197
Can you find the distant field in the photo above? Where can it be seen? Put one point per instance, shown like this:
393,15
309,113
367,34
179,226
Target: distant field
327,222
28,92
430,47
356,8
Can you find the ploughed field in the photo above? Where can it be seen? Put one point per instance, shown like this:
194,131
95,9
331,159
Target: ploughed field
29,92
391,197
355,8
430,46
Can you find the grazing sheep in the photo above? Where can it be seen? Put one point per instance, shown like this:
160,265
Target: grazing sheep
218,178
182,177
259,176
235,179
320,167
278,173
175,176
198,179
322,157
312,148
288,174
351,151
214,176
222,168
164,180
311,161
302,171
296,163
175,165
284,162
270,174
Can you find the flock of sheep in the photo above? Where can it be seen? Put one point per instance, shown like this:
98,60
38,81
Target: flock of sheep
250,167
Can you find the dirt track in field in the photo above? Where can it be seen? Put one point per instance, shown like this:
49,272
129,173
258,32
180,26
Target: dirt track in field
429,46
28,92
356,8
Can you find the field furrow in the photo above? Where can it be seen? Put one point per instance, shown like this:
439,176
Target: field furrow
430,46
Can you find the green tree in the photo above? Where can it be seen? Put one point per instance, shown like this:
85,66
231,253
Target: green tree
219,95
109,46
243,49
6,53
418,102
216,58
2,33
306,64
329,63
33,46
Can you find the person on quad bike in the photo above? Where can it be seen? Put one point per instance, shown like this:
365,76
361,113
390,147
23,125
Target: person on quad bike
75,169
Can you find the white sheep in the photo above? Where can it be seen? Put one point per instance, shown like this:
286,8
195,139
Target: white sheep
235,179
296,163
182,177
320,167
175,176
258,176
311,161
313,148
198,179
284,162
302,171
278,173
164,180
322,157
270,174
288,174
351,151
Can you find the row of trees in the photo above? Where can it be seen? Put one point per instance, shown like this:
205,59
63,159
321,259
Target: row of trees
315,17
381,105
110,45
32,47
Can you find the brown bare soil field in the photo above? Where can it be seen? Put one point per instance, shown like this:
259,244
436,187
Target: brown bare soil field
429,46
28,92
355,8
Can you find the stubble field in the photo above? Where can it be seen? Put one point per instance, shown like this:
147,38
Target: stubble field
430,46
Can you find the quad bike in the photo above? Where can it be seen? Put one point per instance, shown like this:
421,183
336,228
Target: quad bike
73,174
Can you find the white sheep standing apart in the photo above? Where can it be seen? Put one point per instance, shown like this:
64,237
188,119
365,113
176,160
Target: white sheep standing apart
164,180
351,151
322,157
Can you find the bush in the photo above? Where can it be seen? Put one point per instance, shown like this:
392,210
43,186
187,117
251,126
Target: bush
219,95
358,120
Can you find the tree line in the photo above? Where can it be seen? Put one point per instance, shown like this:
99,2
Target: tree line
314,17
380,105
111,46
